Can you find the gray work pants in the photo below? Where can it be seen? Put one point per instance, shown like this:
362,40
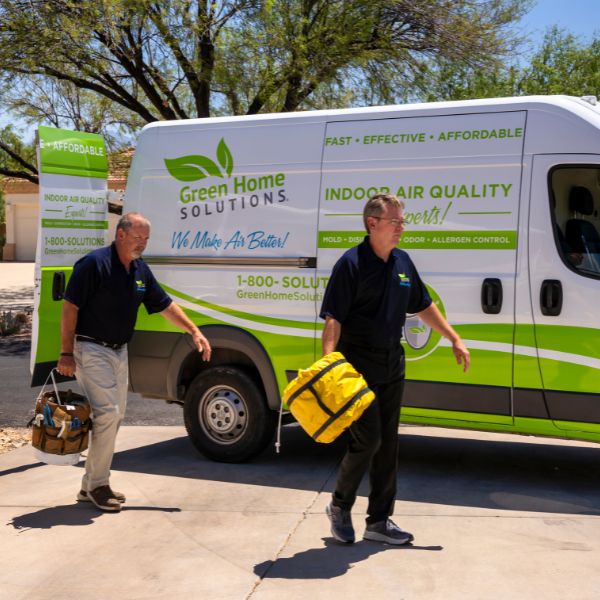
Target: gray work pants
103,375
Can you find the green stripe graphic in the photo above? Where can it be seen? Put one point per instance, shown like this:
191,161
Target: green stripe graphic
243,315
73,224
430,240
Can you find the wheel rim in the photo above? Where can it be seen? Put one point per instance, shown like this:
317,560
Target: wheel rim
223,414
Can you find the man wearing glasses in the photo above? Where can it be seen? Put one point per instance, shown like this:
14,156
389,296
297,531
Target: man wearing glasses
371,289
98,317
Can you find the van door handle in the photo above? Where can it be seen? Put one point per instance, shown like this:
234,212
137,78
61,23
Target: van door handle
58,285
551,297
491,296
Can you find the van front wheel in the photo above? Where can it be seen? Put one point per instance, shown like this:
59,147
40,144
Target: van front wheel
226,417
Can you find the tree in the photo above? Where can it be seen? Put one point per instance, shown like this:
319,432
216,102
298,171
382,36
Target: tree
61,104
16,158
110,66
563,64
173,59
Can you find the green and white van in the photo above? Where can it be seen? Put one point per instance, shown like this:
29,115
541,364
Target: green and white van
249,214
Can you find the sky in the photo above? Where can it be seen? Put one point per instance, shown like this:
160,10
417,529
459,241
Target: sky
580,17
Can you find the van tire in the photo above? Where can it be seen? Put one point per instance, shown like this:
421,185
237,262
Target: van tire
226,417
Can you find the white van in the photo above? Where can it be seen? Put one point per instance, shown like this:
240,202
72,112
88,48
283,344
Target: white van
249,214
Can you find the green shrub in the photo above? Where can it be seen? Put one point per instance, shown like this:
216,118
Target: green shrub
11,323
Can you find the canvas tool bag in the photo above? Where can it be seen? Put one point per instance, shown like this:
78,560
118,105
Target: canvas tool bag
61,424
328,397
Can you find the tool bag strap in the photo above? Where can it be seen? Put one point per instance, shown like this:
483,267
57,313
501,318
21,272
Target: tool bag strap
309,385
340,412
50,376
41,394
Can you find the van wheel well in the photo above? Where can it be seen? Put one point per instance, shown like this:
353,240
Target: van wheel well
194,365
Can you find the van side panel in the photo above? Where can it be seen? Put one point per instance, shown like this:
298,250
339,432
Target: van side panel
250,214
460,178
234,213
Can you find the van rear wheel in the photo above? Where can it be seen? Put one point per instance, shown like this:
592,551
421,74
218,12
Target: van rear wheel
226,417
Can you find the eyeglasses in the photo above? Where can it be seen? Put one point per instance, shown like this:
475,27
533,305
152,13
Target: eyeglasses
392,222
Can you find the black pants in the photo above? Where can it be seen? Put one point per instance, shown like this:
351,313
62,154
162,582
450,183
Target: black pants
374,447
373,443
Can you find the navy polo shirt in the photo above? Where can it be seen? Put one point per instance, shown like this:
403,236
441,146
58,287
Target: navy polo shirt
370,297
108,297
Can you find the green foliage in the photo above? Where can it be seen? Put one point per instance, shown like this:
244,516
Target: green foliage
562,65
16,158
173,59
56,103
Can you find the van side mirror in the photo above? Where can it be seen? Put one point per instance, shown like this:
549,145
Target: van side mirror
58,285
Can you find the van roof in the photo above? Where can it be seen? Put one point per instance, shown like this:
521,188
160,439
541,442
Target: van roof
570,103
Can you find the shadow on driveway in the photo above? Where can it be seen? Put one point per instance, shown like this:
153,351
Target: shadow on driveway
333,560
494,474
77,515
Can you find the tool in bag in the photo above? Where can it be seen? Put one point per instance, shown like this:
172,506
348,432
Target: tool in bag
326,398
60,425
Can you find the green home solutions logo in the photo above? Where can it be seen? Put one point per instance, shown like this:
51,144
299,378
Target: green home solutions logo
419,340
229,191
195,166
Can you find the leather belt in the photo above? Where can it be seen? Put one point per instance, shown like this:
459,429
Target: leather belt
86,338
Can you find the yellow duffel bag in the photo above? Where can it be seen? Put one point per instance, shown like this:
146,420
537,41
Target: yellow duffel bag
328,397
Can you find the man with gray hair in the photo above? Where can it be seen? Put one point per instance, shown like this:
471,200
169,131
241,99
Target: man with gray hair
98,317
371,289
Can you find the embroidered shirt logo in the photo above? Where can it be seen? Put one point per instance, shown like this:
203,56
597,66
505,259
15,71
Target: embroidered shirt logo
140,285
403,280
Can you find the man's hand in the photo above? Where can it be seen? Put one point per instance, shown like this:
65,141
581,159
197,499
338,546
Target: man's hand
175,315
66,366
462,354
433,317
202,344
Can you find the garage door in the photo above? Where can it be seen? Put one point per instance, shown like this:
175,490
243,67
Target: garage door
26,224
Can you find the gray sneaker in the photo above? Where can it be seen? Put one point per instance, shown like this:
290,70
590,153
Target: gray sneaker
341,524
387,531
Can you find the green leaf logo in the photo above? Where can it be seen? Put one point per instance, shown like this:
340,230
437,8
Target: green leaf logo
192,168
417,330
224,157
195,166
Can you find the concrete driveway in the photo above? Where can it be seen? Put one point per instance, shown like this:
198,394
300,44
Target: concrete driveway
494,517
16,285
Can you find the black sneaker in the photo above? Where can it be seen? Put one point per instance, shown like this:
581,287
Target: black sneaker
103,499
341,524
82,496
387,531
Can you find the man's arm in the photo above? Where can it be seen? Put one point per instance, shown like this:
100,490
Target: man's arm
68,322
174,314
331,335
434,318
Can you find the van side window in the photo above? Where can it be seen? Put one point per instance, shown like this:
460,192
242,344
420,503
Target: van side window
575,203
